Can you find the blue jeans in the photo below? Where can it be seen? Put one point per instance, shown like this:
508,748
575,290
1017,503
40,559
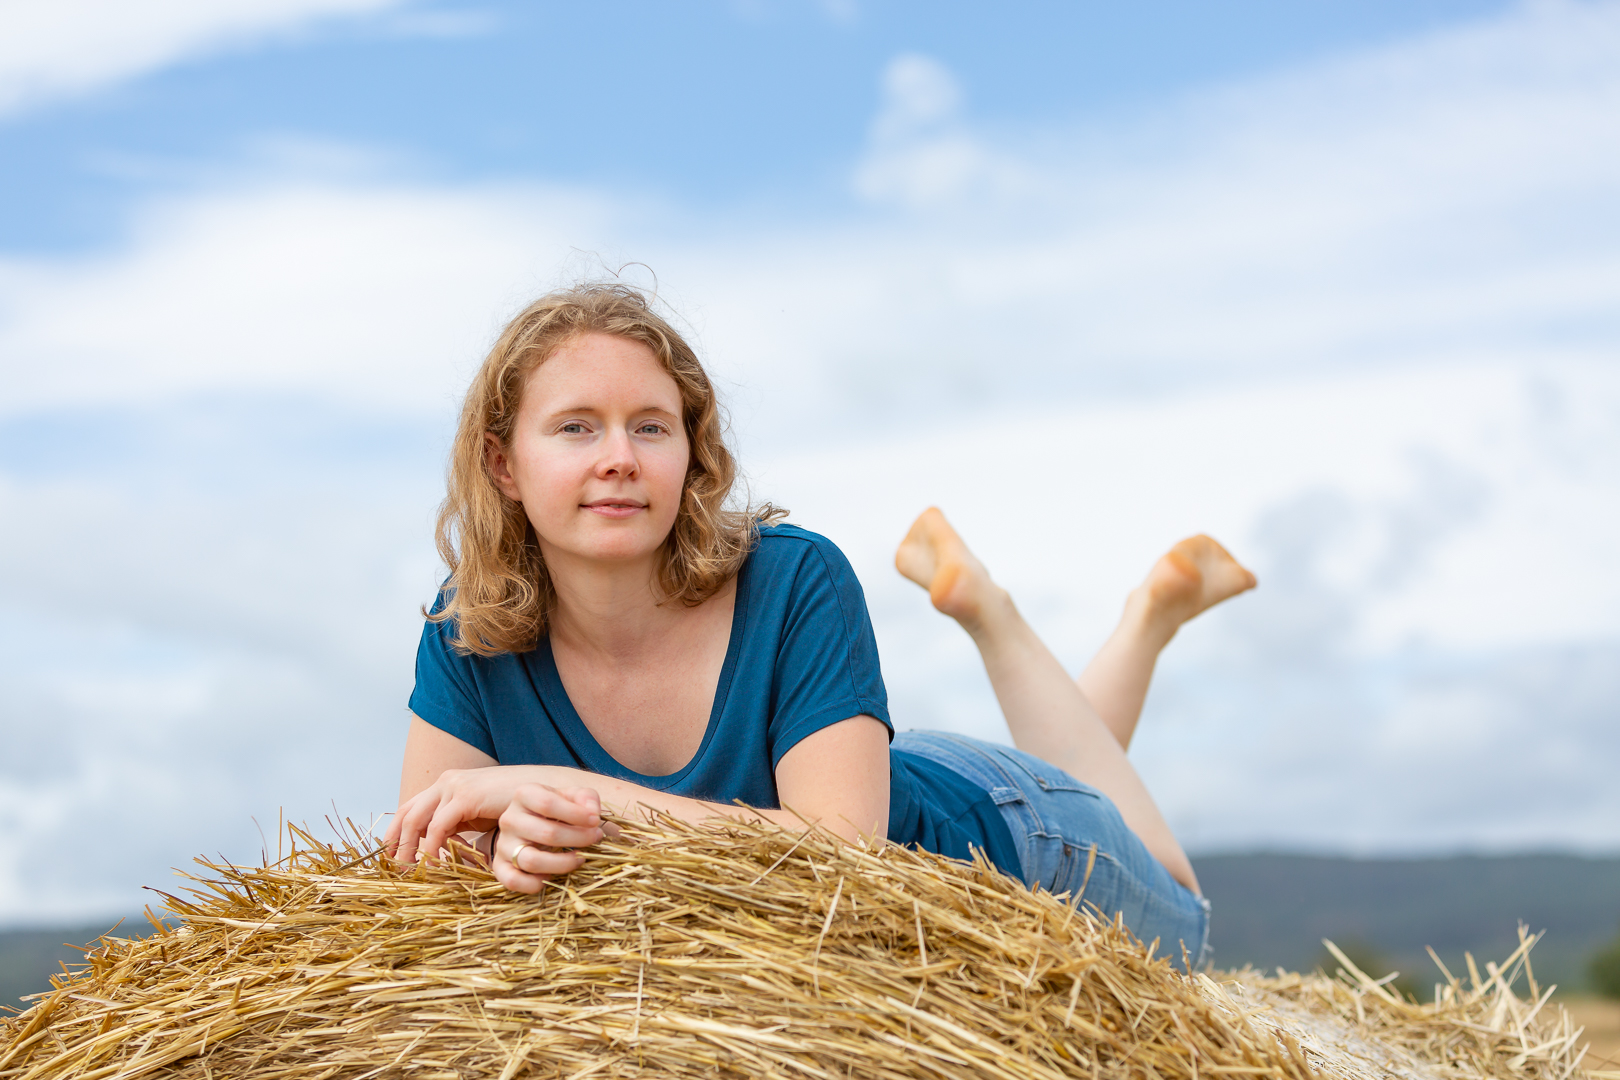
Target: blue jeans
1055,821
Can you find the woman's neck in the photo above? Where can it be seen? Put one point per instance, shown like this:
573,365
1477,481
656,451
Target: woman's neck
608,608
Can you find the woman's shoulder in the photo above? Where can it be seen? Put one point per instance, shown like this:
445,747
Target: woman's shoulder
441,636
788,553
784,542
786,531
807,613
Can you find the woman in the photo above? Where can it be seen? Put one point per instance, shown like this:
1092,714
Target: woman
611,635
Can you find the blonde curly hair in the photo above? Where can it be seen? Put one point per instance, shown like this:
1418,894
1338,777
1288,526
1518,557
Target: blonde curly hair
499,595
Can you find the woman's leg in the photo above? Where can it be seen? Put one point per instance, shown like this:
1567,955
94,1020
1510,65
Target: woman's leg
1046,711
1191,578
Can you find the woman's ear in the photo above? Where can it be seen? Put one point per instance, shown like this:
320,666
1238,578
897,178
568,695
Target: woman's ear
495,461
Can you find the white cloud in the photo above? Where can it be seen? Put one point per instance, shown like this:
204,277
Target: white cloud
841,12
918,93
1337,682
371,295
442,24
921,157
1456,188
231,634
58,48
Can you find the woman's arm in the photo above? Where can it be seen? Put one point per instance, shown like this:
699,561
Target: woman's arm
837,777
429,752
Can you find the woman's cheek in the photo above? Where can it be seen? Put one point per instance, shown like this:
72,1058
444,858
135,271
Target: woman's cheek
553,495
670,506
672,469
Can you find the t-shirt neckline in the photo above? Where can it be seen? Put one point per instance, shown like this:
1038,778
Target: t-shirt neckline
597,759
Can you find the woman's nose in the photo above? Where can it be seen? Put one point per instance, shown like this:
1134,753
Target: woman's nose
618,456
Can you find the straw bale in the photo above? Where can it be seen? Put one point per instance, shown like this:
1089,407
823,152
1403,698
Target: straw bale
1353,1025
716,950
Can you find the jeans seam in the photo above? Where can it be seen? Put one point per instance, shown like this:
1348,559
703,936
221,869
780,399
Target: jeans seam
1164,904
1079,787
1028,826
1020,816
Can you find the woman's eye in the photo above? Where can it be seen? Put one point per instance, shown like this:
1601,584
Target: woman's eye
573,429
652,429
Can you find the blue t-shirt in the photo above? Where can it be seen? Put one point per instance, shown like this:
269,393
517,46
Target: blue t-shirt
801,657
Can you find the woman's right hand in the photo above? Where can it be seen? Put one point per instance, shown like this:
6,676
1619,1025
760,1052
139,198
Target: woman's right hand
459,800
540,828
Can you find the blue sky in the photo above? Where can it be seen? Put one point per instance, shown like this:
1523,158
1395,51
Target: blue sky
1338,283
720,106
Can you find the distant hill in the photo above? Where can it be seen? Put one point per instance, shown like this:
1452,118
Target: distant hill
28,958
1274,910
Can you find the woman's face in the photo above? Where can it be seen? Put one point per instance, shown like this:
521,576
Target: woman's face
598,454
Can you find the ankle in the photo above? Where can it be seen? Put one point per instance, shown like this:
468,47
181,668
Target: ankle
1146,621
993,617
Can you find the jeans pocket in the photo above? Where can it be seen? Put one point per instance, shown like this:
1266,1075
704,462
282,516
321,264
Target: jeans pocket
1048,862
1063,866
1047,777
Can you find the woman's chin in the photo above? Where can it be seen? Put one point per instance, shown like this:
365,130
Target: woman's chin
615,547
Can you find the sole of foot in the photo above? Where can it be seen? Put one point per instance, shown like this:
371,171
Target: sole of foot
934,556
1193,577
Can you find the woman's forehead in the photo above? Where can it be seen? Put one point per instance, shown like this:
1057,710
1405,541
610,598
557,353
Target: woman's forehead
602,370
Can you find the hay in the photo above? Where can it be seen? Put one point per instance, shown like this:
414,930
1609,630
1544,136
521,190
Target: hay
1355,1026
724,950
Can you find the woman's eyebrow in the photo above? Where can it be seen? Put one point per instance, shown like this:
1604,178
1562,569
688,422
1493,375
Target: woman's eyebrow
598,408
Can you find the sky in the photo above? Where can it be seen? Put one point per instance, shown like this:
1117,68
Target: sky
1337,283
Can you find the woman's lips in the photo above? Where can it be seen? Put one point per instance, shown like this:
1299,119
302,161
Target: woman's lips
615,509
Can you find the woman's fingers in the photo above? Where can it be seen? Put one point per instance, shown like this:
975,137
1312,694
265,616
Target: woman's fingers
541,827
575,806
447,821
540,821
541,862
544,815
585,797
547,832
390,837
523,825
425,825
545,864
411,821
523,867
460,800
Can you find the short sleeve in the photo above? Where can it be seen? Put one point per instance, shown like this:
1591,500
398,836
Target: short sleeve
446,693
827,664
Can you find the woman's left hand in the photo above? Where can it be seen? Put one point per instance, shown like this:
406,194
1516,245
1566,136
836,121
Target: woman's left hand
541,831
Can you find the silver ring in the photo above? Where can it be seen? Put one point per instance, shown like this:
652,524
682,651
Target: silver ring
513,858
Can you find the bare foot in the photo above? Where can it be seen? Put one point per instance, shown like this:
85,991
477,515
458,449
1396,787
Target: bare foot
1191,578
935,557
